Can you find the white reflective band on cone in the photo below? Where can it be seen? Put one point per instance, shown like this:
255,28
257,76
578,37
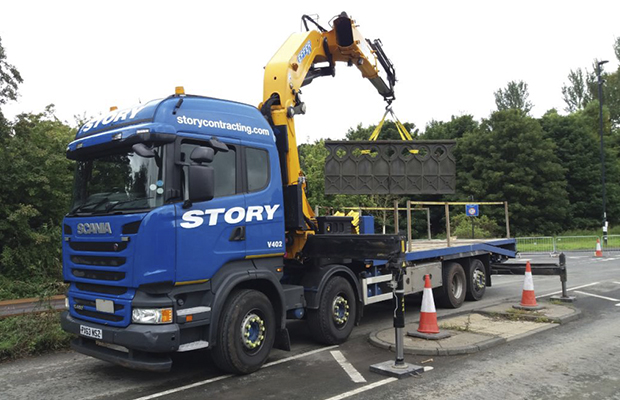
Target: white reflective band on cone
428,305
528,284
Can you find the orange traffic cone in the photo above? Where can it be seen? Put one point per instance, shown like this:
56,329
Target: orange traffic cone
428,328
528,298
428,314
599,252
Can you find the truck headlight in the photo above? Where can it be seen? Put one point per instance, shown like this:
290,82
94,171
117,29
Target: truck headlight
151,315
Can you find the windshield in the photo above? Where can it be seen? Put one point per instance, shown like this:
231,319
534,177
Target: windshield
121,182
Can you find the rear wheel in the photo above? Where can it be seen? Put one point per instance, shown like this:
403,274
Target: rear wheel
452,293
246,332
333,322
476,280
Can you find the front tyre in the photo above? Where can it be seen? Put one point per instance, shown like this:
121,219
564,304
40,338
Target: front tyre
333,322
246,332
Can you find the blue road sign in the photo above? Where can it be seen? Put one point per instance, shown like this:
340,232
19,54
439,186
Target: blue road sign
472,210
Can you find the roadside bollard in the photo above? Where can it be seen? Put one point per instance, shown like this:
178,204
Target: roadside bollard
563,279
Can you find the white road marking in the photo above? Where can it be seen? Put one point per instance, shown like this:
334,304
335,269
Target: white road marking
597,296
348,367
291,358
219,378
617,283
363,389
181,388
575,288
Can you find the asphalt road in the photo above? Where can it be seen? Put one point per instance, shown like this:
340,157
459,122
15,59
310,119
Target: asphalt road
573,361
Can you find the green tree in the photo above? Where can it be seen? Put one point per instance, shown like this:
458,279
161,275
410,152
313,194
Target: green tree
484,227
612,161
510,159
576,95
37,182
10,78
514,96
453,129
611,96
577,149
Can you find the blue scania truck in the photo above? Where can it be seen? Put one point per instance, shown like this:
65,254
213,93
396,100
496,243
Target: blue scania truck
190,227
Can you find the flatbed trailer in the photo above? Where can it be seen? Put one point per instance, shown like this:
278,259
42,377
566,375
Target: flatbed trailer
459,270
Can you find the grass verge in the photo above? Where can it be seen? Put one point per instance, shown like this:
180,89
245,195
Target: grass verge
525,315
31,334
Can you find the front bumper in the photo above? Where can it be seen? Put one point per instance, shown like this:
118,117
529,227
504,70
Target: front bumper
147,344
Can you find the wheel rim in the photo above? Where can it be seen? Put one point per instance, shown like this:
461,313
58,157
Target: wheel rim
457,286
340,310
252,332
479,280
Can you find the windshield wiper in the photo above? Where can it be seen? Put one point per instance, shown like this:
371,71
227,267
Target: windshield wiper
93,204
113,205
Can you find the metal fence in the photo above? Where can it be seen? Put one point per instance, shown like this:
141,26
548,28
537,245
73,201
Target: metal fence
559,244
540,244
575,243
612,244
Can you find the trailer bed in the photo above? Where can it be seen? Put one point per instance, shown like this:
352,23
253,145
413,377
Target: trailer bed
429,249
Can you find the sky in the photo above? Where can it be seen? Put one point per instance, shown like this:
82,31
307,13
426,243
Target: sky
449,56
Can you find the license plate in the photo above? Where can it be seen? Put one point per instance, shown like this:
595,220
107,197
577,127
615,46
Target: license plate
91,332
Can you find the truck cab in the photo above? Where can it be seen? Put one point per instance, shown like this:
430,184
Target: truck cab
175,202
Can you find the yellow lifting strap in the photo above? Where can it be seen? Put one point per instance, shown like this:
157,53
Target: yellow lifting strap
402,131
375,133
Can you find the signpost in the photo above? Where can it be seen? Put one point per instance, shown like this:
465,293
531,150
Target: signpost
472,211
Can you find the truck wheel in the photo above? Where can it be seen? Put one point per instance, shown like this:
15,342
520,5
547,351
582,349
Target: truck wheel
476,280
452,293
246,332
333,322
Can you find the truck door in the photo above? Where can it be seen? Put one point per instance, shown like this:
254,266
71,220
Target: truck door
265,220
212,233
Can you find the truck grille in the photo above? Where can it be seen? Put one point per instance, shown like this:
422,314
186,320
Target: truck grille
98,275
93,304
99,261
100,271
85,306
108,247
100,315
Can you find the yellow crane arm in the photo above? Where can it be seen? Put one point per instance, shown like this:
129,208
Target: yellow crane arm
303,57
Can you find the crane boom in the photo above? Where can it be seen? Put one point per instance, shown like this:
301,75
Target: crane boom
302,58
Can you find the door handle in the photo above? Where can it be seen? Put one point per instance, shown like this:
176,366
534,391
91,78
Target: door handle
238,234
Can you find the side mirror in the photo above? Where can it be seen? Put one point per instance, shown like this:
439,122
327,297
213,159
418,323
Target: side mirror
199,183
216,145
202,155
143,151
